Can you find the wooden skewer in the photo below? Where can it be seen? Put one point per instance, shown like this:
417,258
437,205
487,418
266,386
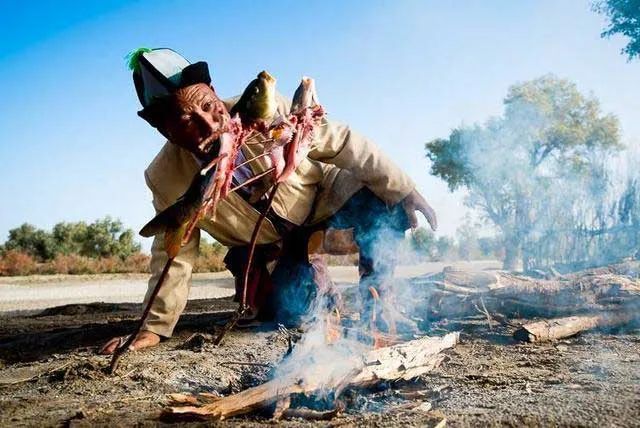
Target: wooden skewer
252,179
252,159
254,239
211,164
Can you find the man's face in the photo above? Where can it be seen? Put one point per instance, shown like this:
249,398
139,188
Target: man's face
197,119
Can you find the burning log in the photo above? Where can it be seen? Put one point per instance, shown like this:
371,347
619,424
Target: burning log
554,329
404,361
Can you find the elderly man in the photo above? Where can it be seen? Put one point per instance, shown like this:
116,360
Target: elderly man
345,182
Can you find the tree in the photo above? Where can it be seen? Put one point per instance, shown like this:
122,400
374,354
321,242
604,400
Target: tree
423,242
444,247
488,246
102,238
69,237
467,239
31,240
531,167
107,237
624,19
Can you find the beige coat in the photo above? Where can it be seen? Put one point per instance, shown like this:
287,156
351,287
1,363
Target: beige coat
341,163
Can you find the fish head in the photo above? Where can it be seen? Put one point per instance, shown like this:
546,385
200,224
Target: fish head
305,95
258,101
266,96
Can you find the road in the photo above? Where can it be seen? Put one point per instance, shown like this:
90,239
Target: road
36,293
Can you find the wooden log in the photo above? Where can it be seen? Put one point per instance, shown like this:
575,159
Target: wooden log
404,361
452,294
549,330
469,282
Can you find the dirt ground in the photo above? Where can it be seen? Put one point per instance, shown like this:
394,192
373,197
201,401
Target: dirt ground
50,375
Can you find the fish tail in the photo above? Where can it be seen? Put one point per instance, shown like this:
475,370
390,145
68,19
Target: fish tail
157,225
173,240
169,218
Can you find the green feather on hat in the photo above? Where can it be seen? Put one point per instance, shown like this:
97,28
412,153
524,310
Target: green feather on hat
133,58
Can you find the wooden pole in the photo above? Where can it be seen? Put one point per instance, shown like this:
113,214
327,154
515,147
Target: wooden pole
245,280
123,348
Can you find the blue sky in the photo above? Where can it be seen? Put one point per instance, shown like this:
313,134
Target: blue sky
401,72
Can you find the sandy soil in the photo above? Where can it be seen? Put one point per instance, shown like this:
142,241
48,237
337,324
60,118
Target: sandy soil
50,375
29,293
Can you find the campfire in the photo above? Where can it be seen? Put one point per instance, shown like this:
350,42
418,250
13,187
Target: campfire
322,382
334,355
331,368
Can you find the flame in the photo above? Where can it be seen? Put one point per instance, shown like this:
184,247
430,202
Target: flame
332,327
380,339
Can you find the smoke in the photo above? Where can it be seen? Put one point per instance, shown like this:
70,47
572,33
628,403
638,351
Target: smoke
549,175
313,360
336,338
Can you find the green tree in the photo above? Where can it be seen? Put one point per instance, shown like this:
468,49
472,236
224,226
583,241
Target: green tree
69,237
624,19
33,241
467,239
444,247
523,170
102,238
423,242
488,246
107,237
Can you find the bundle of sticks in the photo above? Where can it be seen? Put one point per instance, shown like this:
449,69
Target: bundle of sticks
404,361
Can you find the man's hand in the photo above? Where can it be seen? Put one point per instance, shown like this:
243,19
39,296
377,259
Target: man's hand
145,339
415,202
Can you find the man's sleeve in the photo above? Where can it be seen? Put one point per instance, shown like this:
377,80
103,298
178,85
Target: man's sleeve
337,144
172,298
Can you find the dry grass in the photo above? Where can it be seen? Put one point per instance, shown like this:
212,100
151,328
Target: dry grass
16,263
209,263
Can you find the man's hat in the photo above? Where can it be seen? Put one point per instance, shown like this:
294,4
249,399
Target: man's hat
158,73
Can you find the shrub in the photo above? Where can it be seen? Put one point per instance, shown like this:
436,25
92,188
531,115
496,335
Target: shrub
136,263
211,257
73,264
30,240
14,262
209,263
109,265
